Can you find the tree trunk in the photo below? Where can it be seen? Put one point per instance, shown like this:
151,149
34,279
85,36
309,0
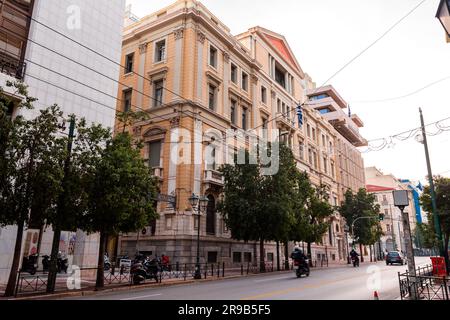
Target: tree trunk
361,252
286,255
309,254
278,255
447,262
53,272
100,282
370,253
10,288
262,265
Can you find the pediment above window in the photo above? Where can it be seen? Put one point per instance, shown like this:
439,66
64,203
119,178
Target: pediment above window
155,133
158,74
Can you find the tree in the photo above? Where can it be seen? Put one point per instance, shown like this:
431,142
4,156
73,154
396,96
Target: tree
79,165
361,211
279,200
243,206
442,191
121,194
425,235
29,169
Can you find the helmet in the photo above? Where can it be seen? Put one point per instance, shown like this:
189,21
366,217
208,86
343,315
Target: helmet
297,249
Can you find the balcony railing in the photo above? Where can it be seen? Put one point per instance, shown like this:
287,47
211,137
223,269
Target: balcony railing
215,177
12,67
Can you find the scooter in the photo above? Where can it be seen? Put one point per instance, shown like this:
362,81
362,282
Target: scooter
355,260
29,264
62,264
301,267
106,263
141,271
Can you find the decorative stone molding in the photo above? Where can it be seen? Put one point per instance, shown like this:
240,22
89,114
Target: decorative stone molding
254,79
201,37
137,130
158,74
175,122
226,56
143,48
178,33
273,94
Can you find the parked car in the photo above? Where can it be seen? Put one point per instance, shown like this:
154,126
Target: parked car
395,257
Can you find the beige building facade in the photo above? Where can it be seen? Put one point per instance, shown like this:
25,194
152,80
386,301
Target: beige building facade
196,81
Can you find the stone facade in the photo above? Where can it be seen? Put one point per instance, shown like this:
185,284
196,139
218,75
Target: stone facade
211,82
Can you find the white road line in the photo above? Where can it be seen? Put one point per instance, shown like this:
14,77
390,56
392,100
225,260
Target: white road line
280,278
142,297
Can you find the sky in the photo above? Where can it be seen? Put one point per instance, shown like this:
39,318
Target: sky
326,34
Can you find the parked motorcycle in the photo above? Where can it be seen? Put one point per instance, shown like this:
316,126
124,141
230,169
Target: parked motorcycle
62,263
355,261
106,263
301,267
29,264
148,269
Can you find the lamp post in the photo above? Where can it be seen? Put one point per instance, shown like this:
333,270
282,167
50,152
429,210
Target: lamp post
443,14
346,230
198,204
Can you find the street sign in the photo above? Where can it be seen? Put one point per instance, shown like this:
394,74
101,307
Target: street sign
401,198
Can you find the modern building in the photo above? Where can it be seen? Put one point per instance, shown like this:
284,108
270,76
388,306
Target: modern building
382,186
67,52
197,81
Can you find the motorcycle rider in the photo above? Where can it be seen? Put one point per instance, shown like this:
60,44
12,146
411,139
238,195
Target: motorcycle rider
298,255
354,255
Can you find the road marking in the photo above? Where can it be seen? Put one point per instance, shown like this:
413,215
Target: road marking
142,297
280,278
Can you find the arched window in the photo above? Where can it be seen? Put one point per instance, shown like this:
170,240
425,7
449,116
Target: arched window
211,216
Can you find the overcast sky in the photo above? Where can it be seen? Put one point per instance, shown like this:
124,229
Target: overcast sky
326,34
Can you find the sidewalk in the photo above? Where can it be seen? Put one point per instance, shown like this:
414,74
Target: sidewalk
89,288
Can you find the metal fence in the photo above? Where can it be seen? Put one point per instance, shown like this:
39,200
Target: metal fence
85,278
423,285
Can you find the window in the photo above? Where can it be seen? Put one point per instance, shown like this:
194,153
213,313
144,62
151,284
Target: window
323,141
244,118
288,111
325,165
308,130
270,256
244,81
160,51
325,111
233,112
318,97
280,76
212,97
234,73
302,149
278,105
315,159
211,163
332,169
127,100
212,256
237,257
330,235
211,216
384,198
314,134
154,159
212,56
247,257
386,212
264,128
158,93
263,95
388,228
129,59
310,157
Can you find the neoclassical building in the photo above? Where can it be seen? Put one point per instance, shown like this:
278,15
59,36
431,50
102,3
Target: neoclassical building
196,81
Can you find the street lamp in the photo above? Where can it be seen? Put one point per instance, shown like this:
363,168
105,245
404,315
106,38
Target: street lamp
443,14
198,204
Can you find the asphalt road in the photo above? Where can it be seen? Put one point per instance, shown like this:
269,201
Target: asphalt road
342,283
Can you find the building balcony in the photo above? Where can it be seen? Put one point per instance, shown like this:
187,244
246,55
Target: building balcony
214,177
346,127
158,173
12,67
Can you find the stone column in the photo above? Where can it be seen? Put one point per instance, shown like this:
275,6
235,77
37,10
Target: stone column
255,108
140,82
226,78
200,45
179,35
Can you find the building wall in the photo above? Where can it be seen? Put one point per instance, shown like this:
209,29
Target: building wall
98,26
189,30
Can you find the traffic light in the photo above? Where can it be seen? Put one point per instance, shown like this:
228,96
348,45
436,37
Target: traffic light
300,115
381,217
